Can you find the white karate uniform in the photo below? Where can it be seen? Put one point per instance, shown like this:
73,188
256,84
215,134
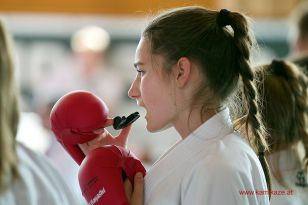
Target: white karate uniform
39,183
209,167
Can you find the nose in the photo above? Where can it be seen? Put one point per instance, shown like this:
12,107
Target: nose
134,90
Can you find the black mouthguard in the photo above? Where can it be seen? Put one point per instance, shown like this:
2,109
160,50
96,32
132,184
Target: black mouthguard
121,122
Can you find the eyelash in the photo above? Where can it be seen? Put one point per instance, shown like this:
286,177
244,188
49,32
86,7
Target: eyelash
141,72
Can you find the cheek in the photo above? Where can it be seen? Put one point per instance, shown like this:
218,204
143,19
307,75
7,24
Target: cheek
160,114
159,104
154,93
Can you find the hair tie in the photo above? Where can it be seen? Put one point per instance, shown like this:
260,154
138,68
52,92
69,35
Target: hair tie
301,180
223,18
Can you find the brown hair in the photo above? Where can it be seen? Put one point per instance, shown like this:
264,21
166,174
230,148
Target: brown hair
9,113
220,43
300,15
285,106
301,61
303,25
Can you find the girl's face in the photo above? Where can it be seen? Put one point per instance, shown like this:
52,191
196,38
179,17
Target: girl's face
151,89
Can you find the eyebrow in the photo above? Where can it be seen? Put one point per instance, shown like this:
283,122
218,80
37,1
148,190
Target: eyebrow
137,64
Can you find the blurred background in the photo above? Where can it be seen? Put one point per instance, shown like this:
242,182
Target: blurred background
65,45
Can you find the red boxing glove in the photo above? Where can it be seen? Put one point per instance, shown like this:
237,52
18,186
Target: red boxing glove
102,172
74,118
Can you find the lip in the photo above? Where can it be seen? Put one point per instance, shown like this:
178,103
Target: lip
140,103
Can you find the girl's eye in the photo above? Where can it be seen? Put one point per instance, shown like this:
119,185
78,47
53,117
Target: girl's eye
140,72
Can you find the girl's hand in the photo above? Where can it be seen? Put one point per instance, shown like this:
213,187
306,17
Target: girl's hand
105,138
135,194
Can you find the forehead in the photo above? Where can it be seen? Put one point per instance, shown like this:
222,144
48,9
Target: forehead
144,55
143,50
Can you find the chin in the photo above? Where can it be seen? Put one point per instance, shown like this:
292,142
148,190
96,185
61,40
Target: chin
157,128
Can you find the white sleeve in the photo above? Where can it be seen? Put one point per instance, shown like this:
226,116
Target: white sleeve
39,181
217,183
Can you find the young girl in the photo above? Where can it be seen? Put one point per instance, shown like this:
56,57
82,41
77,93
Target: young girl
190,61
285,115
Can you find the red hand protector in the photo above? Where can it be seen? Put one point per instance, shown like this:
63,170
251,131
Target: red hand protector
74,118
79,117
102,172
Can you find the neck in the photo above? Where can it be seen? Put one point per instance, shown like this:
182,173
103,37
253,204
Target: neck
188,121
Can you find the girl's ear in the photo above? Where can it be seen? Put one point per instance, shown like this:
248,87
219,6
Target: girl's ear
183,71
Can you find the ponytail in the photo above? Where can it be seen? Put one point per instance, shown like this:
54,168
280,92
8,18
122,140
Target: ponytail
255,130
